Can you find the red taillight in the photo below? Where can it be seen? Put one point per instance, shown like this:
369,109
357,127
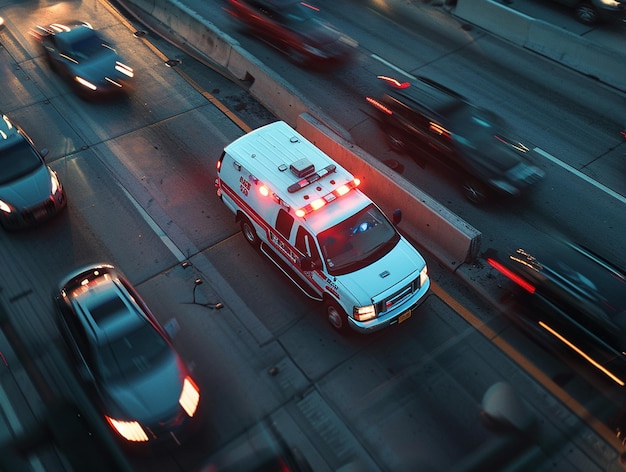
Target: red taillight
376,104
218,165
530,288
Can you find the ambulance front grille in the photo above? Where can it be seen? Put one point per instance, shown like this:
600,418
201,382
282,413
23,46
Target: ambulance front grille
399,297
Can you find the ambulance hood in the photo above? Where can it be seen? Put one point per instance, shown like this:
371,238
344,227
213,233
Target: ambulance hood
391,272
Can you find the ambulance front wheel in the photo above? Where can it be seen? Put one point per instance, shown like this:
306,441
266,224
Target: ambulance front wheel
337,316
249,233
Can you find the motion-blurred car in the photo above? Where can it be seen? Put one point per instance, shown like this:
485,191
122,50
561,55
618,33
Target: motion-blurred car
30,192
294,27
81,56
575,297
143,388
590,12
475,144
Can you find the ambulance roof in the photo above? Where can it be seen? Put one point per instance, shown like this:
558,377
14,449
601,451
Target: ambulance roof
268,154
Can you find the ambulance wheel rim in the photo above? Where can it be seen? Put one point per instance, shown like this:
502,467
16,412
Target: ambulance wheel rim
248,232
336,317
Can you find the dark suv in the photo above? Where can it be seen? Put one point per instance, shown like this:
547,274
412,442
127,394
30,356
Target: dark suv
296,28
141,385
426,118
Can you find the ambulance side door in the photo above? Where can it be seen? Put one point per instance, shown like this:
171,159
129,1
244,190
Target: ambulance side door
305,244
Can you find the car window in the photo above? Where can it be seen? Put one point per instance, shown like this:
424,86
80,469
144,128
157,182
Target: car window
132,353
86,44
17,160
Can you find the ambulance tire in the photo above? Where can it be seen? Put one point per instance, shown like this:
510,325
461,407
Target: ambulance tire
250,233
336,316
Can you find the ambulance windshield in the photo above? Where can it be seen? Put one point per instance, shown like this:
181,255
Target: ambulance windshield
357,241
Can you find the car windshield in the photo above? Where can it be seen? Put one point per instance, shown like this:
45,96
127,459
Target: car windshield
132,354
17,161
300,18
87,44
357,241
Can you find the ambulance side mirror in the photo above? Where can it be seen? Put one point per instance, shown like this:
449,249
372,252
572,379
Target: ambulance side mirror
397,216
307,264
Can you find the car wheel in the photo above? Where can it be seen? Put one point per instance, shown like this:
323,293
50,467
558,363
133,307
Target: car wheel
337,317
250,233
474,191
586,14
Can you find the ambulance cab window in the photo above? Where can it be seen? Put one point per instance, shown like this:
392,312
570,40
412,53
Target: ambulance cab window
284,223
306,245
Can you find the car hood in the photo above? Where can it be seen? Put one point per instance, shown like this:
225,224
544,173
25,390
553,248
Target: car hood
402,264
28,191
500,157
150,397
97,67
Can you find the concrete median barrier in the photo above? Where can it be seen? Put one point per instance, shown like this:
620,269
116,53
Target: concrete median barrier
558,44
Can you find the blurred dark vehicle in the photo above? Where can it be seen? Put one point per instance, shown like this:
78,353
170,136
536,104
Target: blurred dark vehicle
591,12
575,297
296,28
30,192
143,388
81,56
426,118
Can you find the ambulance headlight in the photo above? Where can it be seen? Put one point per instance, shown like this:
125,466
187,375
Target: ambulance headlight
364,313
423,276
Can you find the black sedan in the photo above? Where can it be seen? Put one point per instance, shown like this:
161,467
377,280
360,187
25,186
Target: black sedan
143,388
84,58
575,297
425,118
30,192
296,28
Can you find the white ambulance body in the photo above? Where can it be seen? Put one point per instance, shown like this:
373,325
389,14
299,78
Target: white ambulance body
304,212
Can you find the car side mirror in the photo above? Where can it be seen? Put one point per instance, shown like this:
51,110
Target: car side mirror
397,216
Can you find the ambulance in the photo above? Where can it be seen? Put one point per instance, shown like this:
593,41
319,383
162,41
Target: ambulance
305,213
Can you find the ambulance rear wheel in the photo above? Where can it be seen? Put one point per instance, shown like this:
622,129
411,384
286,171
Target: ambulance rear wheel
337,317
249,233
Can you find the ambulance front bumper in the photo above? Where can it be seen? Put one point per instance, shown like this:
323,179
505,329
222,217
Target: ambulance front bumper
398,315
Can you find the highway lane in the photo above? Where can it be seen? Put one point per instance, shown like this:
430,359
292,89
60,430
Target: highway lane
131,165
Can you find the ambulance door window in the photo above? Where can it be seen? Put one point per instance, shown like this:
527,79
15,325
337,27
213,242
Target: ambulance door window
306,245
284,223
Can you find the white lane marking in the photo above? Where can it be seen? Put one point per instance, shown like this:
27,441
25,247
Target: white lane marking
389,64
579,174
155,227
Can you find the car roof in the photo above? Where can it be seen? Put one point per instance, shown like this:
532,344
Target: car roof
427,94
78,33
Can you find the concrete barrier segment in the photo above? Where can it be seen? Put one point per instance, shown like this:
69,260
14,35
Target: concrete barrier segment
431,225
558,44
578,53
495,18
